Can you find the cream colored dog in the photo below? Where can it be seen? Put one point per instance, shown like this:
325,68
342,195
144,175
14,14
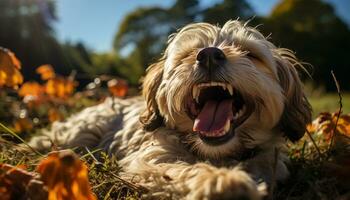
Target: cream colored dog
215,114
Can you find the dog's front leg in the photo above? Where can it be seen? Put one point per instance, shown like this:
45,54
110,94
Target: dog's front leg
171,171
198,181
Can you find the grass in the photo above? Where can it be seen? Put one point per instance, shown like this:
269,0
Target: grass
328,103
103,174
310,177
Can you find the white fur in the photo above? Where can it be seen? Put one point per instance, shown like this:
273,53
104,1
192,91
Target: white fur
172,161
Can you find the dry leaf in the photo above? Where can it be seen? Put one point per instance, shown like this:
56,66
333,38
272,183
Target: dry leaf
13,181
326,122
33,89
23,124
65,176
10,75
16,183
54,115
118,88
311,128
60,87
46,72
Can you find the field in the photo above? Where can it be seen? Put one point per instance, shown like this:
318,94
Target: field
319,161
329,102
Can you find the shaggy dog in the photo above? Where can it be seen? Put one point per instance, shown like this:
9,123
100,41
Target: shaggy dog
216,111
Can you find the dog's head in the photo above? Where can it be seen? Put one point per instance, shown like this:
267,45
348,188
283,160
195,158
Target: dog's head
225,89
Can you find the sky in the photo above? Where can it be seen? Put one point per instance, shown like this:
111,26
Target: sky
96,22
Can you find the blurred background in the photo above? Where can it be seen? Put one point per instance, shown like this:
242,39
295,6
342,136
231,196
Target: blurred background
122,37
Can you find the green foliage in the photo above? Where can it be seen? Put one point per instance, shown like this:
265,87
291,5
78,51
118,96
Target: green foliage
328,103
144,31
27,30
310,28
318,36
227,10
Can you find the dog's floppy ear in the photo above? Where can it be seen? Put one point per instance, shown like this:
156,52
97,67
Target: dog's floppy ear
297,110
151,118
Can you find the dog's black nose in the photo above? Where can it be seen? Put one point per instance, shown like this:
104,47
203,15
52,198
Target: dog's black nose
211,57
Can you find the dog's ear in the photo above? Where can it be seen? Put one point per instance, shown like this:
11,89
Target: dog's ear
151,118
297,111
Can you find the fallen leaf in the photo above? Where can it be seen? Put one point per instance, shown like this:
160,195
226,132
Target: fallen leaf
46,72
326,123
13,182
118,88
23,124
10,75
65,176
33,89
60,87
54,115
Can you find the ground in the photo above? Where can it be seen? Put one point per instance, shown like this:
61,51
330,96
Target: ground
317,171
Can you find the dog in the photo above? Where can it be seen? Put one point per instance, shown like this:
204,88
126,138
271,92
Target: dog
215,113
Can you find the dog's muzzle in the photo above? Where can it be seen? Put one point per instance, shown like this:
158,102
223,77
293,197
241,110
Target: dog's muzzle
210,58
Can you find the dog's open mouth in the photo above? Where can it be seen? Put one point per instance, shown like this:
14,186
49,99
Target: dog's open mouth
217,109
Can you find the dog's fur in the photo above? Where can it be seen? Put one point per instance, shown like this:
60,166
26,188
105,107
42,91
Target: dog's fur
153,137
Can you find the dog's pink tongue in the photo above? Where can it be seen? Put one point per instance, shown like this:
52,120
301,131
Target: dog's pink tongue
213,116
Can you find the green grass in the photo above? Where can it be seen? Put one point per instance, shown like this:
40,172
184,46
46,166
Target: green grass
329,103
308,179
103,174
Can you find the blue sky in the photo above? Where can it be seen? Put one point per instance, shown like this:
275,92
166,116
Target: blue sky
96,22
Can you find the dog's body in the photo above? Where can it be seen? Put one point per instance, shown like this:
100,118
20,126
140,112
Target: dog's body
216,110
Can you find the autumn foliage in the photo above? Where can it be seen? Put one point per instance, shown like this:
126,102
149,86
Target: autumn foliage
10,76
38,103
65,176
35,104
32,105
60,176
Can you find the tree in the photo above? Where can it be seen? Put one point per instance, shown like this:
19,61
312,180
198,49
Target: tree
26,29
317,35
144,31
226,10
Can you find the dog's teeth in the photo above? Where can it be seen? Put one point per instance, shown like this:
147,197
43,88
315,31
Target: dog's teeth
222,85
220,133
227,126
230,89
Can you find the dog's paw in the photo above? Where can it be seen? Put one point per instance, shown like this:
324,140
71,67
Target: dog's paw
227,184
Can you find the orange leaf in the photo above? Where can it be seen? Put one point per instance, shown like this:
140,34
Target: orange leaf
46,72
23,124
118,88
326,124
54,115
60,87
311,128
33,89
65,176
13,181
10,75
